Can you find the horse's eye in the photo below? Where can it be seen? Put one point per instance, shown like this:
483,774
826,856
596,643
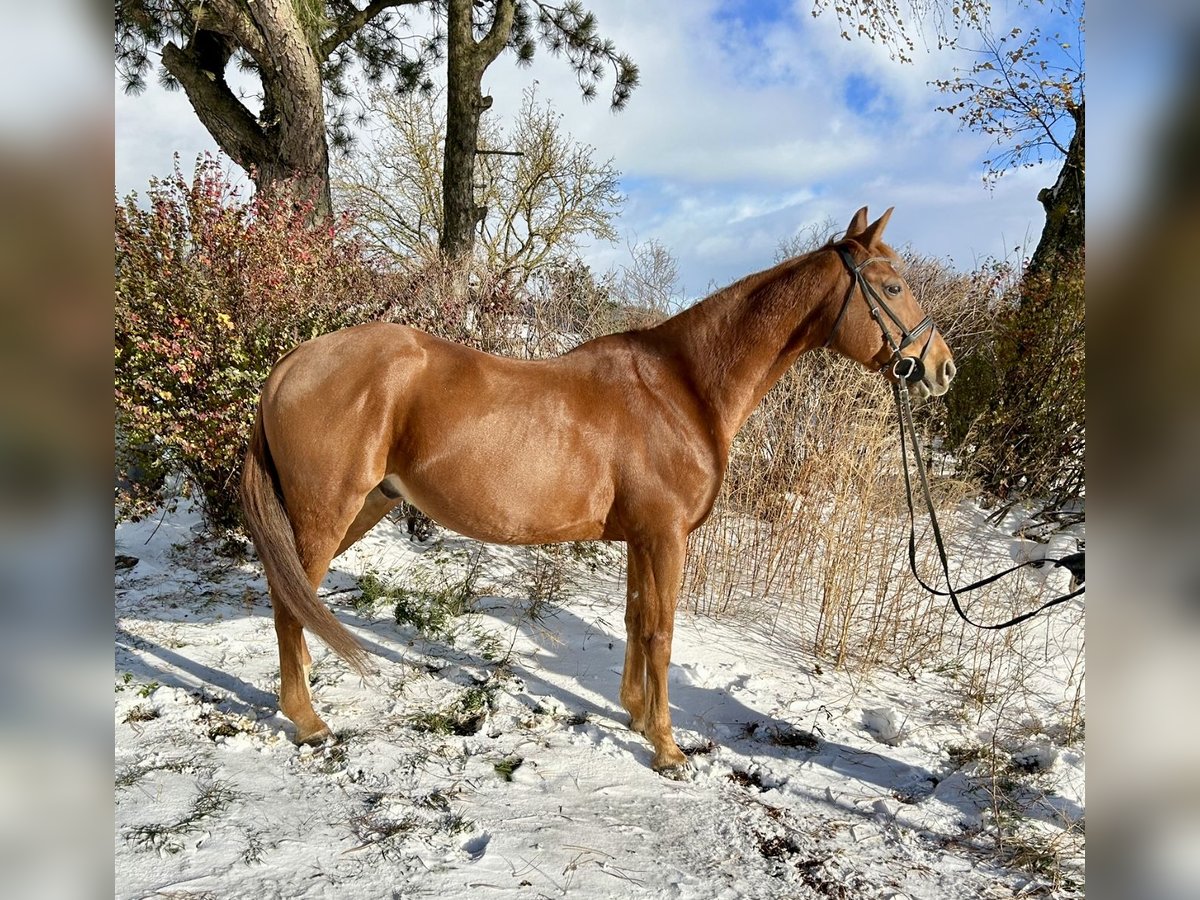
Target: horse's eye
894,289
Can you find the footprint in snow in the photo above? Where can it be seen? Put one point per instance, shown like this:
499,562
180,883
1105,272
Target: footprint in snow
882,724
475,847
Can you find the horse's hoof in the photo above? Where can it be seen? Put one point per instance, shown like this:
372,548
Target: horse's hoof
672,764
676,771
316,737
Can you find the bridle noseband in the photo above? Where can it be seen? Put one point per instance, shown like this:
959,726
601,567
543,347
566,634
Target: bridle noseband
904,368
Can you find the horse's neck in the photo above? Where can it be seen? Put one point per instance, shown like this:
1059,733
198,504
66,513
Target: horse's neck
737,343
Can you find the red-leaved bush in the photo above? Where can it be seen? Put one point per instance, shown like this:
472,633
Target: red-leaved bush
211,290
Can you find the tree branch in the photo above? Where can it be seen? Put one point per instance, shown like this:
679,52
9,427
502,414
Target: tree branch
492,43
352,24
228,18
1020,96
234,127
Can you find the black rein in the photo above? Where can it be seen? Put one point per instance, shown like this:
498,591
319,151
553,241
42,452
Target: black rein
912,368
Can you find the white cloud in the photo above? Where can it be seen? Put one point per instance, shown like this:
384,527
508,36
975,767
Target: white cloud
748,137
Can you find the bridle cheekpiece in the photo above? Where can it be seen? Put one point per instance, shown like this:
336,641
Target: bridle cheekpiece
904,368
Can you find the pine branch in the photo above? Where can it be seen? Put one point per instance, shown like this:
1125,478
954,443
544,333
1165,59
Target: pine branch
487,49
353,23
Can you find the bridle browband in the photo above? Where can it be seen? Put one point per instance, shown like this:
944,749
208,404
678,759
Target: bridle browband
904,368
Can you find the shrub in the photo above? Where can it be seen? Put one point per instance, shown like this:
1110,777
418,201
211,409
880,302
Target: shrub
424,293
1018,416
210,291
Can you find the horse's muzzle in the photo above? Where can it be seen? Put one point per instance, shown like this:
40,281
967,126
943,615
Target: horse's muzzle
942,376
921,382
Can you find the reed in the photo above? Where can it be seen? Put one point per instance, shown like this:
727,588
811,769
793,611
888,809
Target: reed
811,527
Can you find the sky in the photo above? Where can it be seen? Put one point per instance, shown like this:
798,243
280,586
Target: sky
752,121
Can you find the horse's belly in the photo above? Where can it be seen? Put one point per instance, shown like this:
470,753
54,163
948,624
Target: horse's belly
510,507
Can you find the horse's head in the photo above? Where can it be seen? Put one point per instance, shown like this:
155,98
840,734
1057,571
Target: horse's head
879,322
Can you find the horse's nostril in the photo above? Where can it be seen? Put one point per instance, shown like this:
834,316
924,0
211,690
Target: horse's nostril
949,370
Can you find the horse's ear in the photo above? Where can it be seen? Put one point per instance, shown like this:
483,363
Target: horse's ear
857,224
870,237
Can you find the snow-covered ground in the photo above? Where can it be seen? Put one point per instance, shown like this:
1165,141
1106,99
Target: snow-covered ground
489,756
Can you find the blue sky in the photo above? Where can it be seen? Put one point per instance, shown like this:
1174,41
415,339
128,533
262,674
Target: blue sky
752,121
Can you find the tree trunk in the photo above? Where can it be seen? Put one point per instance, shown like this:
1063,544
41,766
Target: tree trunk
285,149
294,111
1031,435
464,106
467,60
1062,239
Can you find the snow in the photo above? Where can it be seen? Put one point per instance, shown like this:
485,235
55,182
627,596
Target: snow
808,781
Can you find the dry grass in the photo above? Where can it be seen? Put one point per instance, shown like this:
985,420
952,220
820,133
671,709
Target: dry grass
813,515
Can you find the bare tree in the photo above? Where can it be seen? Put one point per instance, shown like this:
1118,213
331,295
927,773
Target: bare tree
540,191
809,237
898,24
395,190
1026,90
650,281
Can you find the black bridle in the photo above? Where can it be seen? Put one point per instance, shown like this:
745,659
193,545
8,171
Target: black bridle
912,369
1072,562
904,368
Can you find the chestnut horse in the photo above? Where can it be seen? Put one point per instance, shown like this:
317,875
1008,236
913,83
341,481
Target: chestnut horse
624,438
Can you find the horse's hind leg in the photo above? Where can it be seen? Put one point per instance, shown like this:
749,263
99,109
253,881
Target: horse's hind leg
317,542
295,699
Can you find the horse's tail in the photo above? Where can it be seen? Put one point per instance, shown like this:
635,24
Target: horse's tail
271,529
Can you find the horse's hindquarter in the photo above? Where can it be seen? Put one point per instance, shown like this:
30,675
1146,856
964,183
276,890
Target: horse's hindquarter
328,406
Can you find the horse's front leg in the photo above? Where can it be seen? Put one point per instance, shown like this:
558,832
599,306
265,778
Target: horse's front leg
633,676
659,570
